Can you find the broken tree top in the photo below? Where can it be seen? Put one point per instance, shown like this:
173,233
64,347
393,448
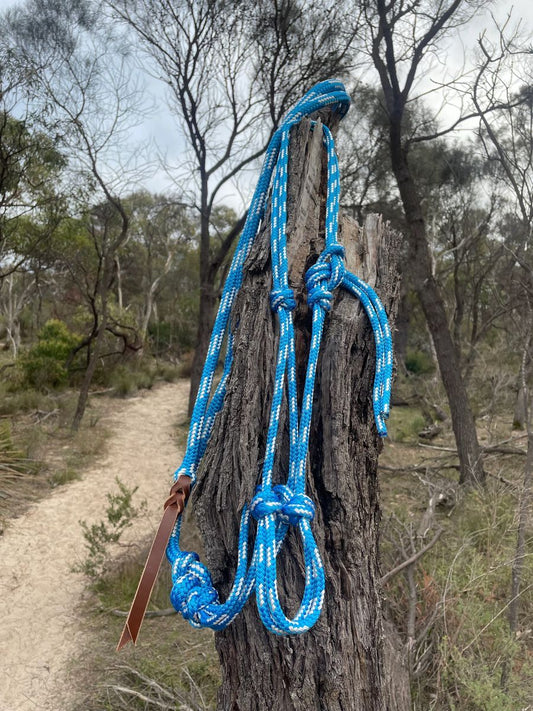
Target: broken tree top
275,508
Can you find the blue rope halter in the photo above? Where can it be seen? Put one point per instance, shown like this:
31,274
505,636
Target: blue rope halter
275,508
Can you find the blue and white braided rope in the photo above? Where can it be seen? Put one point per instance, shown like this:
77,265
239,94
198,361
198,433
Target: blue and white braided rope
275,508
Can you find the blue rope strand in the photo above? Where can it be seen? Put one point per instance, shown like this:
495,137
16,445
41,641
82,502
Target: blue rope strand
275,508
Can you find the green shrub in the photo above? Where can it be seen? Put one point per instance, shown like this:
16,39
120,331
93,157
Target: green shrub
119,515
63,476
419,362
44,365
126,380
13,403
463,593
14,464
405,423
169,372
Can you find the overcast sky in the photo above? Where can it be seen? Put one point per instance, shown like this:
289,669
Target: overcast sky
159,131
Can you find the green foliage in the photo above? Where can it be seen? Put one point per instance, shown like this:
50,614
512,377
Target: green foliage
405,423
63,476
15,400
126,381
17,471
12,460
168,337
99,537
139,374
169,372
463,587
419,362
44,365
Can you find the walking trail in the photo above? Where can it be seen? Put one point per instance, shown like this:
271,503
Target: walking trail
41,630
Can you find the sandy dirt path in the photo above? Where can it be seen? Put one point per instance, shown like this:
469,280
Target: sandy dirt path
41,623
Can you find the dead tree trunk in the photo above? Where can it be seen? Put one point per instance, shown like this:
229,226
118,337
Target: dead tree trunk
340,663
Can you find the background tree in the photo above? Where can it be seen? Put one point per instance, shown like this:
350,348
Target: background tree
78,67
232,69
508,144
398,42
162,231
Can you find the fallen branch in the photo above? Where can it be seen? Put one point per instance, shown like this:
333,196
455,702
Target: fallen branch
418,468
437,447
488,449
141,697
43,415
495,449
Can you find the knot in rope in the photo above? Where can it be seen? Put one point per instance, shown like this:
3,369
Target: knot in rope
265,503
192,590
283,501
294,506
323,277
282,299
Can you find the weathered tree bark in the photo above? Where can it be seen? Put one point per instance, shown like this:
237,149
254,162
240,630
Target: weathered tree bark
339,664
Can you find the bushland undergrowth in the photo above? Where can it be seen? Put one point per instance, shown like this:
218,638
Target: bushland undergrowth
450,606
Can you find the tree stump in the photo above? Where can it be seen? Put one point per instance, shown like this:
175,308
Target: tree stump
339,664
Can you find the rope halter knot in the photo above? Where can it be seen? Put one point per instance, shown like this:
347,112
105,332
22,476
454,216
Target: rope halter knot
326,275
282,299
282,501
275,508
192,590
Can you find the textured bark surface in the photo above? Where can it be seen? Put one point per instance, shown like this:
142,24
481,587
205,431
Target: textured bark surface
339,664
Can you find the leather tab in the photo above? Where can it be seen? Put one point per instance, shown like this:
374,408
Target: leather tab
174,505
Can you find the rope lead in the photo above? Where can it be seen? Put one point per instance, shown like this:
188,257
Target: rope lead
275,508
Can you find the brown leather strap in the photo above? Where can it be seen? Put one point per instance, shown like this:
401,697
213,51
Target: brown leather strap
174,505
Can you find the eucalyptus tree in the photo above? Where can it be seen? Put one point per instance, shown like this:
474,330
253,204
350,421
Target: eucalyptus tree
81,89
162,232
31,168
232,70
399,39
505,76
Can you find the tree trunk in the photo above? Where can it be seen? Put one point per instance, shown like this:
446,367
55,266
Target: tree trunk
97,346
340,663
205,324
464,428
